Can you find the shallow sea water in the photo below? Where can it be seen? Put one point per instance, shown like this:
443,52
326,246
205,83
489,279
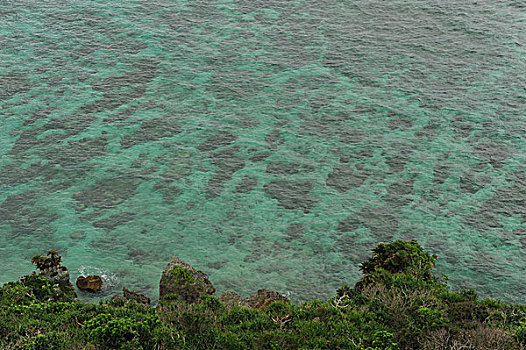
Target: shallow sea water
270,143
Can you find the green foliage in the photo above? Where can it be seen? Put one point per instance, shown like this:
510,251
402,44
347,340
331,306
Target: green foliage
382,340
52,259
181,275
400,257
41,342
117,332
34,288
398,304
212,303
520,333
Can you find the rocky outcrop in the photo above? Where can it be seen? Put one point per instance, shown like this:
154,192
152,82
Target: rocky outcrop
138,297
130,295
230,299
51,268
185,281
91,283
259,301
264,298
57,274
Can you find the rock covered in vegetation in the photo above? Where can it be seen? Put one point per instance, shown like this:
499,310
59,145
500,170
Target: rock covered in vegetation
230,299
91,283
51,268
264,298
130,295
185,281
259,301
138,297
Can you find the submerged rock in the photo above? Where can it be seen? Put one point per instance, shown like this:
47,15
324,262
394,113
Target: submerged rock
185,281
91,283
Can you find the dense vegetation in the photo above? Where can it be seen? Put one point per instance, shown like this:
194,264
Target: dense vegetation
398,304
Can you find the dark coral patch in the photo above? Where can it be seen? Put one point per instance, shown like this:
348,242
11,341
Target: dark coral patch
352,249
507,201
294,232
344,177
107,193
113,221
291,194
283,168
13,83
247,184
400,159
24,217
474,179
152,130
380,221
259,157
228,164
216,141
398,193
397,121
168,191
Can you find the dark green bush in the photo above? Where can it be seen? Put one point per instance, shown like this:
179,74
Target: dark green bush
400,257
116,332
398,304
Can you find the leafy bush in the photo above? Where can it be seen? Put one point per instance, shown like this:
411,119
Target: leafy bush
400,257
116,332
398,304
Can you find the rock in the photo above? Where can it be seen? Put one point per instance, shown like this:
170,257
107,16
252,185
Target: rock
51,269
119,299
138,297
91,283
260,300
128,295
57,274
230,299
185,281
264,298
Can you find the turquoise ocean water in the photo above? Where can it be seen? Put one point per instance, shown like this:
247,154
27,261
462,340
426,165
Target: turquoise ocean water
270,143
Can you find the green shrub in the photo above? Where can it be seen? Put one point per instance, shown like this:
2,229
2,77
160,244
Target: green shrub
116,332
520,333
41,342
398,304
400,257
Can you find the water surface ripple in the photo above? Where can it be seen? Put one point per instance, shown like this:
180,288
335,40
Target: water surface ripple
270,143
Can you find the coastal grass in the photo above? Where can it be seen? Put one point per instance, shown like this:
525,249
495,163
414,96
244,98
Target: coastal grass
399,303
